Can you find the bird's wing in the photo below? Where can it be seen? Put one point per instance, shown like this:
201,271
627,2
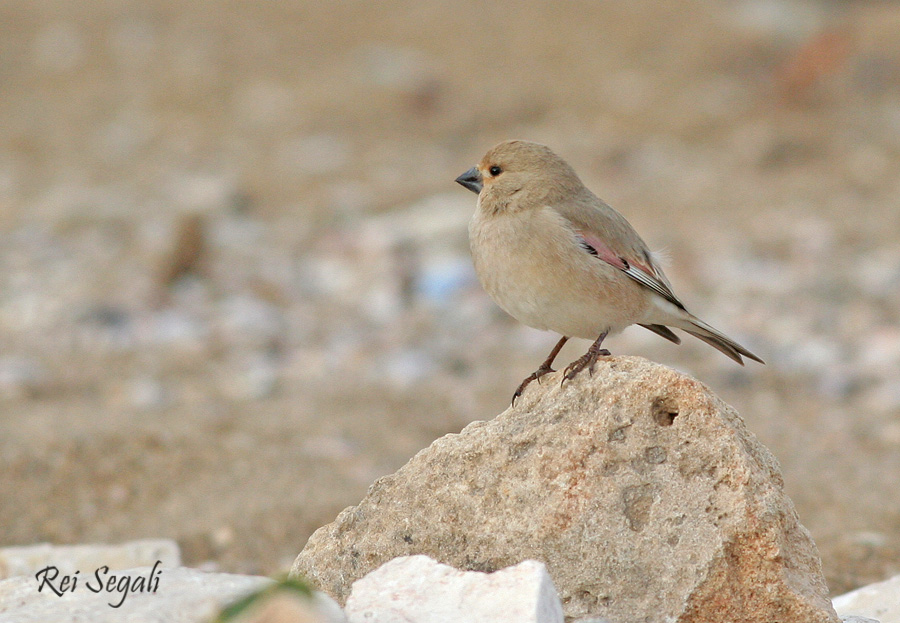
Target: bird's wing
642,271
604,232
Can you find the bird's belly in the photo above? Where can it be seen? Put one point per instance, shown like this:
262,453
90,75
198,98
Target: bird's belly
565,311
556,286
570,316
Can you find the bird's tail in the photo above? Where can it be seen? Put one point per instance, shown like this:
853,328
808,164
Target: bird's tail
716,339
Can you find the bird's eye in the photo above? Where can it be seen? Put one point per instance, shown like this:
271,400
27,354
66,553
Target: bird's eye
495,170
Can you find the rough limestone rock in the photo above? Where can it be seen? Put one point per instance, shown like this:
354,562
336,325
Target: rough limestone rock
416,589
642,492
879,601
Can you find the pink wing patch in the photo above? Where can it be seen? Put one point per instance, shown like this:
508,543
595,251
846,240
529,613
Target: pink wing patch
609,256
636,270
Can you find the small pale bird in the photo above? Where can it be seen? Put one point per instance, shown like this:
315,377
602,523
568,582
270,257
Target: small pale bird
556,257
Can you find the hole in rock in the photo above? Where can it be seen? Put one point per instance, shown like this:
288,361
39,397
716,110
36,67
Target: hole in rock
664,411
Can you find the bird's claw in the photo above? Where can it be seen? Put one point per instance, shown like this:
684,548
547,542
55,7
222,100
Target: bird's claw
588,360
534,376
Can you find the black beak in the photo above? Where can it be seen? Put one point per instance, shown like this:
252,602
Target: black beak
471,179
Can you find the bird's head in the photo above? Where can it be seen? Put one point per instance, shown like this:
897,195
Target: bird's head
518,175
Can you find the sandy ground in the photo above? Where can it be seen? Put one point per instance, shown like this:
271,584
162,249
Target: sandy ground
234,281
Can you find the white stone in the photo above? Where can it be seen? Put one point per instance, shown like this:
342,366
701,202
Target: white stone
417,589
880,601
855,619
183,596
29,559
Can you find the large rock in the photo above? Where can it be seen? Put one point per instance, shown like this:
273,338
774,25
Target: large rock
642,492
416,589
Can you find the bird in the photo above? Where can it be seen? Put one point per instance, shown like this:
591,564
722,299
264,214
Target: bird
556,257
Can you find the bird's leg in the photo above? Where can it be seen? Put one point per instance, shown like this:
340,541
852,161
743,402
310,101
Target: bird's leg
587,360
544,369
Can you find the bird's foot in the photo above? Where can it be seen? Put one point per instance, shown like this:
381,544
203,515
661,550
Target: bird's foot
587,360
535,376
544,369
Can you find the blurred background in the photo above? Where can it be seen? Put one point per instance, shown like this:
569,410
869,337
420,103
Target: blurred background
235,285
